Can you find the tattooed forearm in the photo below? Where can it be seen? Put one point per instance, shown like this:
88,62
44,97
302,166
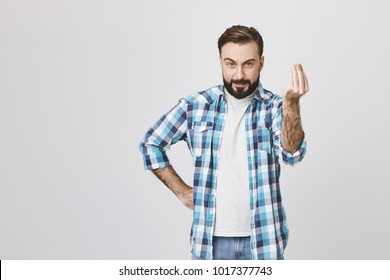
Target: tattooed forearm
292,132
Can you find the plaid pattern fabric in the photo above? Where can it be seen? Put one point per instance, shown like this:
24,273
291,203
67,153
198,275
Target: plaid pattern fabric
198,119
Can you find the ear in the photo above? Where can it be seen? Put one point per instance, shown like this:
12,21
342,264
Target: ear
261,62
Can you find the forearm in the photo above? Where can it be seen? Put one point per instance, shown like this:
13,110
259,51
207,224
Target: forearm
172,180
292,132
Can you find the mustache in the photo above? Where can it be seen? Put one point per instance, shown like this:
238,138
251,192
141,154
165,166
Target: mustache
240,82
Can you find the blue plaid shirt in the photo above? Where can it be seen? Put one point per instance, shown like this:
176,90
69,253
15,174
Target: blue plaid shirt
199,120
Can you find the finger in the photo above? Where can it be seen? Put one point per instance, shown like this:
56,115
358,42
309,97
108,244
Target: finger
301,84
306,82
295,79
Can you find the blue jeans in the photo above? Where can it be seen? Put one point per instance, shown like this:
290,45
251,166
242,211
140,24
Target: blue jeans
231,248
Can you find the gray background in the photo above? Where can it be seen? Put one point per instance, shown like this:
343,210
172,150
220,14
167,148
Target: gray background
81,81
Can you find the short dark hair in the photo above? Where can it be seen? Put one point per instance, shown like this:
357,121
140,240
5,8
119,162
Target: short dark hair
240,34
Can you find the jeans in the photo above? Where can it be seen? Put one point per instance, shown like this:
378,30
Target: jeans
230,248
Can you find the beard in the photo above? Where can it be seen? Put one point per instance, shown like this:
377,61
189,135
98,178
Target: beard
241,93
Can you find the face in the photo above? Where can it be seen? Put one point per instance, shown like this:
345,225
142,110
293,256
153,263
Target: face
241,66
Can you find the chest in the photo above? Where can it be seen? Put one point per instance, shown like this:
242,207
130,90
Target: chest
206,123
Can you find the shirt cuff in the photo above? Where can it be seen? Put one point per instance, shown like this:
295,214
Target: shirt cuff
155,159
292,159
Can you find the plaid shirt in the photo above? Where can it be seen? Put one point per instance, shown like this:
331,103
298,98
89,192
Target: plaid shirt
199,120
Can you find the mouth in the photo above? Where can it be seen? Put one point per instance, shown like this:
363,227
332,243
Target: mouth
240,88
240,85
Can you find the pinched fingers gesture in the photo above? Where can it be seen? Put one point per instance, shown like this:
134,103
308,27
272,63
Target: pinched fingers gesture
298,85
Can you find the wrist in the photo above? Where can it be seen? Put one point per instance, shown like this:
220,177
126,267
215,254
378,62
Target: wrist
181,190
288,99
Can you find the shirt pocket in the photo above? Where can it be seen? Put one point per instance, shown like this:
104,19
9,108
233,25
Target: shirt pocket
264,139
201,135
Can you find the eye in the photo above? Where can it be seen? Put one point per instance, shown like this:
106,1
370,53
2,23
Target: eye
230,64
249,64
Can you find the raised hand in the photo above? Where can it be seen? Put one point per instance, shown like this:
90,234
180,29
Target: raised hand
298,85
292,132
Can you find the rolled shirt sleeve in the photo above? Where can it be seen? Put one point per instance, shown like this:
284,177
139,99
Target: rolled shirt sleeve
168,130
292,159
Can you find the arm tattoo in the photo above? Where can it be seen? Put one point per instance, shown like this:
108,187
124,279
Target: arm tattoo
292,132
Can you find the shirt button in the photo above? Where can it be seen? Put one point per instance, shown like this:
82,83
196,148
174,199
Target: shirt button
216,153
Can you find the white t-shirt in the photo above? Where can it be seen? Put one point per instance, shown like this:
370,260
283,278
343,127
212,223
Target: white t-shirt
232,191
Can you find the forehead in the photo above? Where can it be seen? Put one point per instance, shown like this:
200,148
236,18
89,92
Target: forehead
238,51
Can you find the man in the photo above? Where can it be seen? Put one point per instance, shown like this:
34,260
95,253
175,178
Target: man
236,133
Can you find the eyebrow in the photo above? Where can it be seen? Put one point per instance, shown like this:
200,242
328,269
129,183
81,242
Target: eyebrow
246,61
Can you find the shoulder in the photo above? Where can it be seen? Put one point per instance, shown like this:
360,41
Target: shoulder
271,99
206,96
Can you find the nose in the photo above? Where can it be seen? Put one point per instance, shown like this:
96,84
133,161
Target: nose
239,73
